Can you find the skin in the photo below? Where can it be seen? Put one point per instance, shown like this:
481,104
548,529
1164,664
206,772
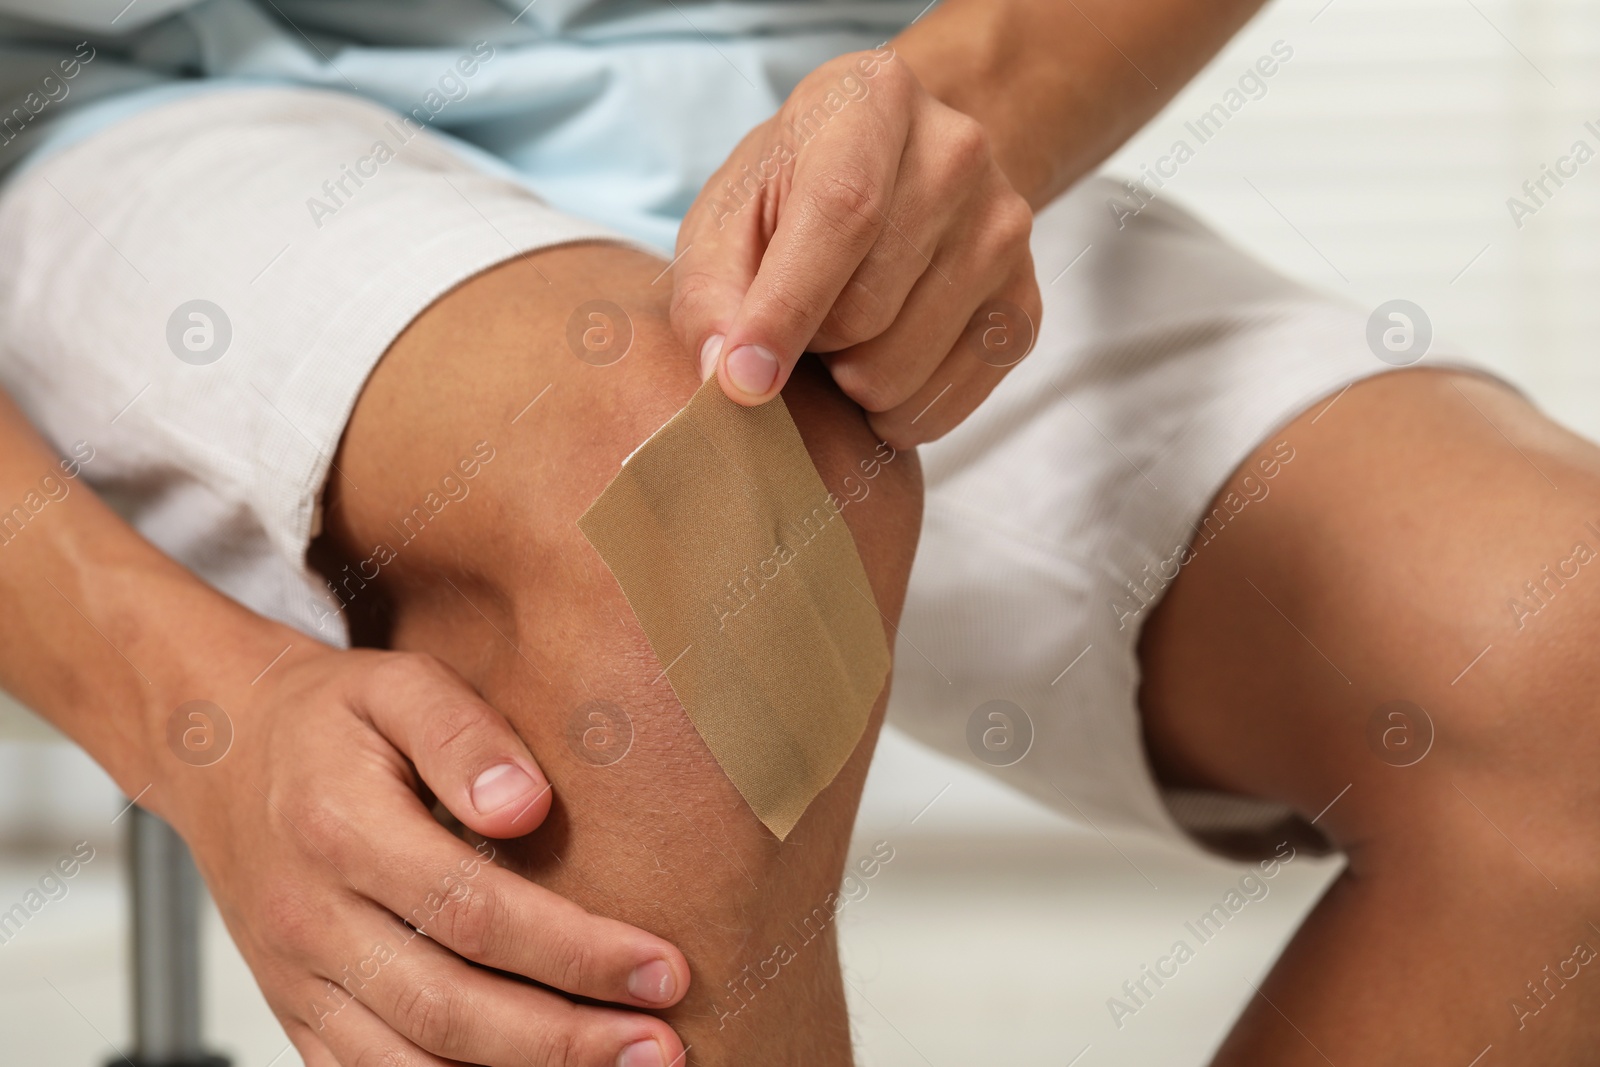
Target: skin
326,742
980,109
505,589
881,233
881,217
327,745
1413,512
1059,87
1408,460
80,587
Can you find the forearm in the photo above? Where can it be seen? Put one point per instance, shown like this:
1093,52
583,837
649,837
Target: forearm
100,632
1060,84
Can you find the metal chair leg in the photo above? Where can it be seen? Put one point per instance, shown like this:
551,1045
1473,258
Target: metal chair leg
166,899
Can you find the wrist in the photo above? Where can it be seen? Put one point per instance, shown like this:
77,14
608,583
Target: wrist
177,648
218,667
968,58
102,634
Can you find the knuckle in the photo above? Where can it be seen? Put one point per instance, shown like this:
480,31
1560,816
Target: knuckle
574,964
896,81
1013,223
459,726
560,1044
859,314
896,432
845,199
324,821
430,1014
788,310
562,1048
691,291
469,924
965,145
870,386
386,1056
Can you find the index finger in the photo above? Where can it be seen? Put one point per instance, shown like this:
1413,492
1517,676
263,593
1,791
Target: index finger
464,900
832,215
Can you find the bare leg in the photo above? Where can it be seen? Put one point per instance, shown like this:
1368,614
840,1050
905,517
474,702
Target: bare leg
502,586
1385,564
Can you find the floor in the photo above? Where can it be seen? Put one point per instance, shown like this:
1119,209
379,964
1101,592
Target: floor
995,934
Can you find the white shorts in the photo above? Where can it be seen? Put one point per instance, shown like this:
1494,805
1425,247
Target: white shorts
170,295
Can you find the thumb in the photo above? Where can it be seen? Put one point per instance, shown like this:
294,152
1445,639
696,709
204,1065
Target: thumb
463,749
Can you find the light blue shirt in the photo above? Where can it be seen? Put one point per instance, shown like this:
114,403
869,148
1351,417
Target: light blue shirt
614,110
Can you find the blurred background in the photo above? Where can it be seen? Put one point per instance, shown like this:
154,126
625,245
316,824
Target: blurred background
1377,165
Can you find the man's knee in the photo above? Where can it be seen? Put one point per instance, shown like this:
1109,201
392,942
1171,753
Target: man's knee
1506,575
502,584
1376,594
487,430
540,377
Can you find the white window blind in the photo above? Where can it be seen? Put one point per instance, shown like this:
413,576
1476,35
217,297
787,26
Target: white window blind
1379,160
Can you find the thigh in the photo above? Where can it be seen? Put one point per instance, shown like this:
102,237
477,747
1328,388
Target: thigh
1429,544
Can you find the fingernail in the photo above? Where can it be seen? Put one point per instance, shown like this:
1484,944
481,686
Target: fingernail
653,982
752,369
501,785
642,1054
708,356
